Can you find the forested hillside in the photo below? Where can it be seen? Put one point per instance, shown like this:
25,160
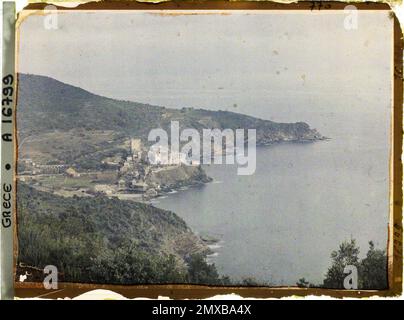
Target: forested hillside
108,241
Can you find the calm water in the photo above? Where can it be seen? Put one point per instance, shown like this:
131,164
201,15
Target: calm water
282,223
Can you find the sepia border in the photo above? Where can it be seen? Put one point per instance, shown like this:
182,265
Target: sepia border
178,291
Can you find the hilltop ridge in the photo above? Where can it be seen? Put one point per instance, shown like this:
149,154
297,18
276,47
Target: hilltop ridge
45,104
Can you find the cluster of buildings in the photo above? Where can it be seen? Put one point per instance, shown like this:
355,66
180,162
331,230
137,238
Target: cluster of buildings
134,169
130,175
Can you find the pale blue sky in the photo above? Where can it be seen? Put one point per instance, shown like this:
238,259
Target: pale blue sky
241,61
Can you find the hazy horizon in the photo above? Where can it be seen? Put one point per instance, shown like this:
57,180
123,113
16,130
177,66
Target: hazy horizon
243,62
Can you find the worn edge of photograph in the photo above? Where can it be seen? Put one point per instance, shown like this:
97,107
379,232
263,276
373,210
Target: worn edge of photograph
179,291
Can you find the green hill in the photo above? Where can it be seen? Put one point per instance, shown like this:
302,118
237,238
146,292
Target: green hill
61,124
107,240
45,104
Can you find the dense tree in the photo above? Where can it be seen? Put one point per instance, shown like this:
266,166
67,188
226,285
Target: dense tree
201,272
103,240
347,254
372,270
